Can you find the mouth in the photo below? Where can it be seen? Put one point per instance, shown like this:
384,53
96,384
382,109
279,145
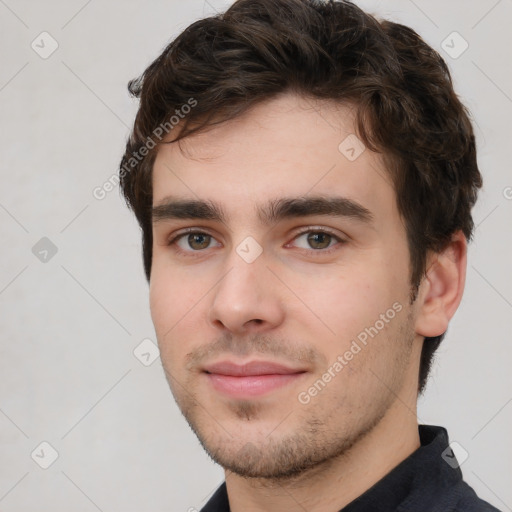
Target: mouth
252,379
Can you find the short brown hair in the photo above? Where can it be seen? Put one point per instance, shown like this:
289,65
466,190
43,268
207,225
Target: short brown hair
406,107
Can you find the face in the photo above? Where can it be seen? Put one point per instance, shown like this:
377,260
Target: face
279,287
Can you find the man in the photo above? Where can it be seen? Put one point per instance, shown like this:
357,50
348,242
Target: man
304,175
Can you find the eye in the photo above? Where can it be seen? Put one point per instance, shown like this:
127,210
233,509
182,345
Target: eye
316,240
194,241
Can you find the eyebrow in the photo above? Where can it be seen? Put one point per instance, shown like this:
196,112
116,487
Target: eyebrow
274,211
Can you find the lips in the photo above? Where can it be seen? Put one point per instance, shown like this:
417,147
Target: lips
252,368
250,380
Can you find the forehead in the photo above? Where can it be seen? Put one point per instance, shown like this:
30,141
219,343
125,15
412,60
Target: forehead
285,147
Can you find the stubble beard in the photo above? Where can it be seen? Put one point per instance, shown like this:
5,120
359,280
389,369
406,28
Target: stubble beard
308,449
313,446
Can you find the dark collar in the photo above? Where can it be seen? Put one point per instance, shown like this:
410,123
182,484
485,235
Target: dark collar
417,483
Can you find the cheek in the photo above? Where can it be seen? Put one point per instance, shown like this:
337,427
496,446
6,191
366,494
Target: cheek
166,312
177,304
344,299
351,306
168,300
160,296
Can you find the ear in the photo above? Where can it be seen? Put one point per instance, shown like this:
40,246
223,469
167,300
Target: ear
442,288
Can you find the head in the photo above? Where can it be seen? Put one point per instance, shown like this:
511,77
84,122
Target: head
246,134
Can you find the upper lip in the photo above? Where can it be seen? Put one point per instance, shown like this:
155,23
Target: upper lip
251,368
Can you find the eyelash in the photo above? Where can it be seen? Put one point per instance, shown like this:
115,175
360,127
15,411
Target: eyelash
318,252
317,230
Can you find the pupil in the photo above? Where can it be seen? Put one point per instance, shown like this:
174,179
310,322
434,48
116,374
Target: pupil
319,240
199,241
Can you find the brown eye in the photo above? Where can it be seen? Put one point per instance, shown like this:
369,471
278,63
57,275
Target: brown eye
198,241
319,240
193,242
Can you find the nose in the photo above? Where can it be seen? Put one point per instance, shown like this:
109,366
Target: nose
247,299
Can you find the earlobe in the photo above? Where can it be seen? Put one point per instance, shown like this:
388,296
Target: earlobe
442,288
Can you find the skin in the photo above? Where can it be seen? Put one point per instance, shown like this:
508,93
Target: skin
300,303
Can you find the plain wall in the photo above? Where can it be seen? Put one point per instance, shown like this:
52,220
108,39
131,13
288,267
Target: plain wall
69,325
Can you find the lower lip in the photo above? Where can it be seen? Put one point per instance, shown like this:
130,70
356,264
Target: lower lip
250,386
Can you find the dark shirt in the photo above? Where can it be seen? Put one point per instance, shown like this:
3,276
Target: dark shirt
429,480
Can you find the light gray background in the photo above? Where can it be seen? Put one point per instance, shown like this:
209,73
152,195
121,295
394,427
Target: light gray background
69,326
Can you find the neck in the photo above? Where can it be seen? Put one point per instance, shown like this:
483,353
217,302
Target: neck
335,483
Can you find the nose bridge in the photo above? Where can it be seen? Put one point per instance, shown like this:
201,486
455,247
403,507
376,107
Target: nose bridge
240,283
245,297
